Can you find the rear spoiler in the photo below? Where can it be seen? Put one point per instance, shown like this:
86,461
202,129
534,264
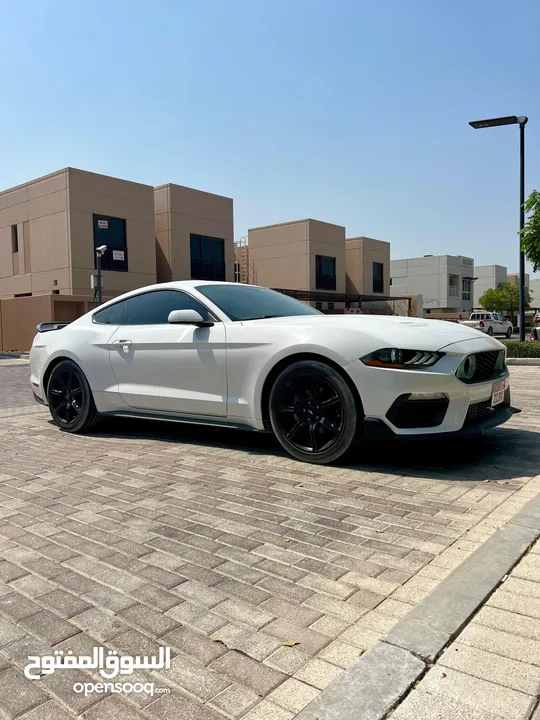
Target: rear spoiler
49,326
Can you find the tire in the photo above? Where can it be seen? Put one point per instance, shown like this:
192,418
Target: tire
509,333
535,334
490,331
314,414
70,399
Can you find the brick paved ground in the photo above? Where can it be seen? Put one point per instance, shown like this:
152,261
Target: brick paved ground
492,670
222,548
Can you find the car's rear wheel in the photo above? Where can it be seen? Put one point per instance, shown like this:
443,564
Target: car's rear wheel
490,331
70,399
536,336
509,333
314,413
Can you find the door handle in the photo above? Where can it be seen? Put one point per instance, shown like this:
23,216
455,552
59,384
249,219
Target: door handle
121,342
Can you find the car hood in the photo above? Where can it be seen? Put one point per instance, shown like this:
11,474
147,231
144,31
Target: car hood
387,330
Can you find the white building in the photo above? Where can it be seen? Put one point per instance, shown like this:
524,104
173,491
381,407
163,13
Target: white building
444,281
534,288
487,278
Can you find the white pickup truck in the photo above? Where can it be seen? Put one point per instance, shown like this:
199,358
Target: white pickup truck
491,323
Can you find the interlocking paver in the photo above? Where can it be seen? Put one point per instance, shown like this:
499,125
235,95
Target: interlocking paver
260,678
494,668
48,626
18,694
129,539
197,645
17,606
48,711
235,700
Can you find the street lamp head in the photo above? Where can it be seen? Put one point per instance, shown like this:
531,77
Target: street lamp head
495,122
101,250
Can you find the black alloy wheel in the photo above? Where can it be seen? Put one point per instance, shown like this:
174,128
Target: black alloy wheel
313,412
70,399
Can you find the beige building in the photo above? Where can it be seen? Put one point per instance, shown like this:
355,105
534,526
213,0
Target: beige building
194,234
368,266
513,279
50,227
300,255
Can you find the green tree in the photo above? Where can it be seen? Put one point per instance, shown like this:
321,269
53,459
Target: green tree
530,235
504,298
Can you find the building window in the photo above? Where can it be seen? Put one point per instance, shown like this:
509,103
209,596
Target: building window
466,289
453,289
330,306
207,258
325,272
111,232
318,306
14,239
378,281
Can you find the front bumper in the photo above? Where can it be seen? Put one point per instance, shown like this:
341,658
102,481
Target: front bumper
387,405
377,429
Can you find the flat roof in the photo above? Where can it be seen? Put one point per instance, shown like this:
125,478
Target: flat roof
186,187
293,222
41,178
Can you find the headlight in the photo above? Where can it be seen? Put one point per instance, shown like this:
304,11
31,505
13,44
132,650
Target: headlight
402,359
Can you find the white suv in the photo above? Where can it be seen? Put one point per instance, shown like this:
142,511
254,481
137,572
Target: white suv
535,330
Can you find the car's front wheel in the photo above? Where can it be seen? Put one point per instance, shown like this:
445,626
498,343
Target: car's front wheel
70,399
314,413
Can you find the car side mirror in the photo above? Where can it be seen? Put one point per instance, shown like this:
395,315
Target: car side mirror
188,317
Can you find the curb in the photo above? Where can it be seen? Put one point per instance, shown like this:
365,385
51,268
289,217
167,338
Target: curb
535,362
375,684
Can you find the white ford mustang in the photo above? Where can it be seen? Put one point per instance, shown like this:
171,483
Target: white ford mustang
248,357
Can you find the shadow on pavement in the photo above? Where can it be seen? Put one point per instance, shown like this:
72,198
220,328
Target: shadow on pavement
500,454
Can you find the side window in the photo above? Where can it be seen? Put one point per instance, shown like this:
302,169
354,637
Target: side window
112,315
473,317
153,308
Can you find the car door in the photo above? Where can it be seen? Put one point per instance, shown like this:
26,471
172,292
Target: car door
499,326
169,368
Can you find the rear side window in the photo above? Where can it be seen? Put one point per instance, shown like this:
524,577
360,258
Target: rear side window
153,308
474,317
112,315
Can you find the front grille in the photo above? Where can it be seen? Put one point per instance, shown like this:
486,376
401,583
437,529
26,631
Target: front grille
406,413
485,365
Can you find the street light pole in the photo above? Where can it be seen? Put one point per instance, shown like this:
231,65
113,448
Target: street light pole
521,226
520,120
99,292
99,254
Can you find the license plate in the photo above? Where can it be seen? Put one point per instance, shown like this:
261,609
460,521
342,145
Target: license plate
497,393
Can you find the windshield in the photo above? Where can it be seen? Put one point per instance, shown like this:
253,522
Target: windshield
247,302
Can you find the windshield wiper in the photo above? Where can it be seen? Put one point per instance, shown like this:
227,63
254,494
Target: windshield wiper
264,317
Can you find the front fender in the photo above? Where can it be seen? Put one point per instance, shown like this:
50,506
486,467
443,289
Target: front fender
290,353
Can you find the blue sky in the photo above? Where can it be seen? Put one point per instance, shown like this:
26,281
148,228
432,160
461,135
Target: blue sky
350,111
